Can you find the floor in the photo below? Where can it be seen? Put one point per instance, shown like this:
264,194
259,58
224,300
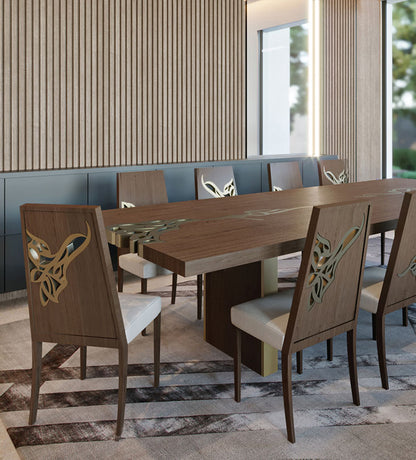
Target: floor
327,424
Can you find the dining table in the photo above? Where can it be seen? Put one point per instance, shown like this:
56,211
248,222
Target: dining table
235,242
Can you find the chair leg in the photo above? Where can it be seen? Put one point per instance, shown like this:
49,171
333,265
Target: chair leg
381,351
404,316
237,366
122,386
287,395
352,365
299,361
199,283
330,349
156,349
36,371
174,286
120,279
83,354
382,247
374,324
143,284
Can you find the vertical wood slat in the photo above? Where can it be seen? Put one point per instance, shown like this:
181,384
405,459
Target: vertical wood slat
120,82
339,83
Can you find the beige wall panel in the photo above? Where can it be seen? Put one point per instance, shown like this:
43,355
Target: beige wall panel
339,135
369,118
351,86
120,82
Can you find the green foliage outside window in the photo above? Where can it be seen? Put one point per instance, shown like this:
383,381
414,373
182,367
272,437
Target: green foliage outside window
404,87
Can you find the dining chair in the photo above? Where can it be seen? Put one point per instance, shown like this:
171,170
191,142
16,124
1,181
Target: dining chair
393,288
72,292
324,302
284,175
141,188
332,172
214,182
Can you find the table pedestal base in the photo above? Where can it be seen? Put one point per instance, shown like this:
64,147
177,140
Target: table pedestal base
229,287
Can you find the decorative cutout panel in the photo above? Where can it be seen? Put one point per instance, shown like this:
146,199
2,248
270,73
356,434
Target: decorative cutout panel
141,233
214,190
49,270
341,179
411,268
325,262
126,204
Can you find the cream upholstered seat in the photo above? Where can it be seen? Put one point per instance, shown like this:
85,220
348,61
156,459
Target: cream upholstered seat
72,293
317,309
138,312
140,267
393,288
265,318
372,284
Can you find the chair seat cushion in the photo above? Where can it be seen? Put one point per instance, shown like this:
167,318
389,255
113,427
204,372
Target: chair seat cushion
140,267
265,318
371,290
138,312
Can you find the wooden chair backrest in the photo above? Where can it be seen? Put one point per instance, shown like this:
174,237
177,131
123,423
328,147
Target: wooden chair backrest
284,176
70,282
328,290
214,182
399,287
332,172
141,188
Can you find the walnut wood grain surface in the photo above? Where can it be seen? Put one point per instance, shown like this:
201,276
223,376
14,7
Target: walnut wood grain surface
233,231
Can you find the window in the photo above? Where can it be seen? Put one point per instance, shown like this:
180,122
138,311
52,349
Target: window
284,89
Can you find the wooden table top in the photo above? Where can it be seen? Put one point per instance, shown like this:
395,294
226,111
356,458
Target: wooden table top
194,237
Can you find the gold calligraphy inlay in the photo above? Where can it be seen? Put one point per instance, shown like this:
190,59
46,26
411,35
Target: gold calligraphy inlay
49,270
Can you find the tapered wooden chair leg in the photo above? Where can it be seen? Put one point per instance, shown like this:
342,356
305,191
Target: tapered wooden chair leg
36,372
174,286
330,349
143,284
199,282
120,278
299,361
374,324
352,365
404,316
381,351
156,349
122,386
287,395
83,359
382,247
237,366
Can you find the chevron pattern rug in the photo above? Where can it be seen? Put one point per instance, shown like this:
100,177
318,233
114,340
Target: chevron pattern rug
192,414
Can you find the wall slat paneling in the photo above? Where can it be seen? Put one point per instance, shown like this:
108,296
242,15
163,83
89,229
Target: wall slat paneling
351,85
120,82
339,134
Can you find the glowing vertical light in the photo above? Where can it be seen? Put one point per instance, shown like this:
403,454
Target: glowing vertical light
314,79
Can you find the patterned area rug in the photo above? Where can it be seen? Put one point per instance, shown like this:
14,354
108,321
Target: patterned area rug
192,414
